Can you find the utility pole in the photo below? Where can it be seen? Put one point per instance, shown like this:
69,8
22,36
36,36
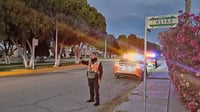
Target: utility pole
187,10
105,52
34,43
187,6
56,47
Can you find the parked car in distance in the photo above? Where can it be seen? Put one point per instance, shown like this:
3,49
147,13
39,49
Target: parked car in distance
151,59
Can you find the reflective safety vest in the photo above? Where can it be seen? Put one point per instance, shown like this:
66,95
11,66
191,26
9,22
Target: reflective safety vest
93,67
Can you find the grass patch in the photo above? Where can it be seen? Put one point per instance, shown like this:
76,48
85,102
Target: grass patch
17,66
9,68
10,64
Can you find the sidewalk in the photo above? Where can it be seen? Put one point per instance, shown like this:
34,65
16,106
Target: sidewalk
160,96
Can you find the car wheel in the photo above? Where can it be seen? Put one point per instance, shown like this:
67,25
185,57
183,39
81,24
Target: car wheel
146,73
156,65
117,76
141,76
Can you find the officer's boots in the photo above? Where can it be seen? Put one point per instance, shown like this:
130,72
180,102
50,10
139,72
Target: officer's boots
97,102
90,100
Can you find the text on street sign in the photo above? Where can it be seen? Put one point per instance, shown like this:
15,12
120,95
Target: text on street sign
167,21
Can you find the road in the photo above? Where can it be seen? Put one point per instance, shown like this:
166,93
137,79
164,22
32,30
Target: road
62,91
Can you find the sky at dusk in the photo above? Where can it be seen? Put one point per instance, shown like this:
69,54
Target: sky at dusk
128,16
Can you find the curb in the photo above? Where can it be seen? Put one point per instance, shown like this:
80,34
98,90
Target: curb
21,72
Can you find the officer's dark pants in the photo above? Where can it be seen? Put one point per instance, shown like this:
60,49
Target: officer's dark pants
94,88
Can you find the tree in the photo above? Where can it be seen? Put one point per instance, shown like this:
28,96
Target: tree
77,15
8,49
22,25
122,38
23,20
42,49
122,41
133,42
187,10
2,22
113,47
187,6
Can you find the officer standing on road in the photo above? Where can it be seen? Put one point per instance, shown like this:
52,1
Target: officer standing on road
94,75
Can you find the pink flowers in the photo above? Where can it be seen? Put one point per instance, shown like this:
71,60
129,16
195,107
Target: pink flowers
192,106
198,56
182,45
196,18
194,29
186,28
183,41
193,43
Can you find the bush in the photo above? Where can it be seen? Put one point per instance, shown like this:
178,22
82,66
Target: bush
181,48
187,86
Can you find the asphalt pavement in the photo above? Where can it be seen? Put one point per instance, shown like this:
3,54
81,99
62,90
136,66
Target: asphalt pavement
53,91
160,95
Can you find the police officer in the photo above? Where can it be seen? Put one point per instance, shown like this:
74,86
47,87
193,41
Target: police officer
94,75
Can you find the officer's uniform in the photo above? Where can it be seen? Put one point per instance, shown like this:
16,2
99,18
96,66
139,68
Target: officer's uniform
94,74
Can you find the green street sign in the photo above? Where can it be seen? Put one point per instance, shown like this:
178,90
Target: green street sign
165,21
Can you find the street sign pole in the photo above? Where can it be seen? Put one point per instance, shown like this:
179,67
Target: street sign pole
145,60
152,22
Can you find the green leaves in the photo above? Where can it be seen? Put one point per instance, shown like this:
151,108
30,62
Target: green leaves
27,19
75,14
